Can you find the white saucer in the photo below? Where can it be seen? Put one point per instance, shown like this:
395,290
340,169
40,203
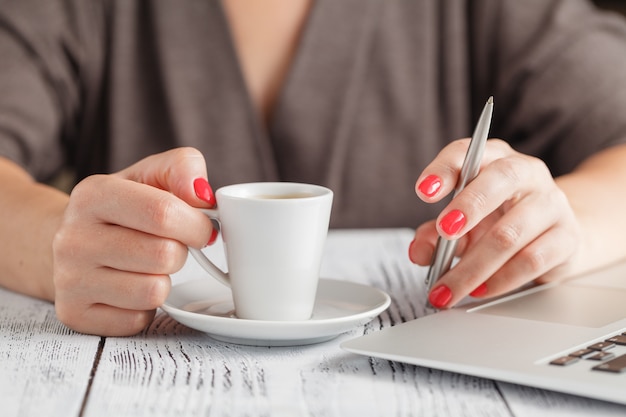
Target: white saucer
339,307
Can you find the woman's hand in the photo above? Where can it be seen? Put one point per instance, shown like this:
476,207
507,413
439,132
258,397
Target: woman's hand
513,222
121,237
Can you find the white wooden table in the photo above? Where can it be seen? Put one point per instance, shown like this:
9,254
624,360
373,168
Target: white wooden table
171,370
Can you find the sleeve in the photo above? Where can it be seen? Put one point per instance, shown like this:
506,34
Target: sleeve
557,70
39,83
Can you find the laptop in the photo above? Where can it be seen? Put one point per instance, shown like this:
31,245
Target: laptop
568,337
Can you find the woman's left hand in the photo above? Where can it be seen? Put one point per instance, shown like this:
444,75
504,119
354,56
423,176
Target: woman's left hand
513,222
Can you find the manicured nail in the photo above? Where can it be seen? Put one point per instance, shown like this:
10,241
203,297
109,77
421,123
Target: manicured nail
440,296
203,191
213,237
452,222
430,185
411,249
480,290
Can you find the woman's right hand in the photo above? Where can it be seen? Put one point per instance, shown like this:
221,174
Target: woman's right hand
121,237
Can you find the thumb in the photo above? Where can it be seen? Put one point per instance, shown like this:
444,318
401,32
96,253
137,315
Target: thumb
181,171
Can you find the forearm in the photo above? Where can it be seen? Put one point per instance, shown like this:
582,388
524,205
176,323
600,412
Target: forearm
597,193
30,214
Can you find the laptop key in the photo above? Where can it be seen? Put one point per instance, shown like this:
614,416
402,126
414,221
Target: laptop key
618,340
582,353
564,361
601,346
616,365
601,356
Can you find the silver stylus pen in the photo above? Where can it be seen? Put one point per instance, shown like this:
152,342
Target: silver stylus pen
444,251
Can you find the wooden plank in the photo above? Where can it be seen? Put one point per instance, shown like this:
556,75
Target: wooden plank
44,367
171,370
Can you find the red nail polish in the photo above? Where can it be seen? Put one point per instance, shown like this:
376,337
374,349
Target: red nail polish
440,296
452,222
430,185
203,191
480,290
213,237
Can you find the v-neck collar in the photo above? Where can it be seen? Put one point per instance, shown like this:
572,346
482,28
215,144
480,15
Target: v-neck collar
306,134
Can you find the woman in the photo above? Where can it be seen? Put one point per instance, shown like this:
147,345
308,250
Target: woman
144,99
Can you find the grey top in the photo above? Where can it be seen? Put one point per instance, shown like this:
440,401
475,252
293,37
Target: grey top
376,89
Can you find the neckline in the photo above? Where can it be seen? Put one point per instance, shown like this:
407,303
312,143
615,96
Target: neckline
306,136
261,125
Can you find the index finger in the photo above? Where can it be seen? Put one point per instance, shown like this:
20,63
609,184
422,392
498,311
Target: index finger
174,171
441,176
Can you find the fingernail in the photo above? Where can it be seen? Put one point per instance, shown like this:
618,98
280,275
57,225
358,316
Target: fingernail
480,290
203,191
440,296
411,249
213,237
430,185
452,222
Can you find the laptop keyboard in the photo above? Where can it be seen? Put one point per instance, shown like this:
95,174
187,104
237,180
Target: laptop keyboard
607,356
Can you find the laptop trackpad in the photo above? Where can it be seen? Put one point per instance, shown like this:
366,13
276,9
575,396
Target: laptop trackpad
577,305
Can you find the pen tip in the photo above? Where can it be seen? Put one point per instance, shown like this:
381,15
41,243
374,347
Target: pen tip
490,101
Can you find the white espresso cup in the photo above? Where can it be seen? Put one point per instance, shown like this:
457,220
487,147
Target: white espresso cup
274,235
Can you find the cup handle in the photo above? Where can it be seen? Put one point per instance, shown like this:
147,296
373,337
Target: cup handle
204,262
